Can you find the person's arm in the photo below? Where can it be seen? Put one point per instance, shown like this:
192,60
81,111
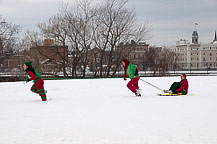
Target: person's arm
184,84
32,75
125,73
136,73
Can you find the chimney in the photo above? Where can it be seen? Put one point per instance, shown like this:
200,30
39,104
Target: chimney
48,42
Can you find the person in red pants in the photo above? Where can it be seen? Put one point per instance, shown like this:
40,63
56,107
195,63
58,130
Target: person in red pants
38,86
132,71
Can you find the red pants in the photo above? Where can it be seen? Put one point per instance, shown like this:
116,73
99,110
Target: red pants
133,84
38,88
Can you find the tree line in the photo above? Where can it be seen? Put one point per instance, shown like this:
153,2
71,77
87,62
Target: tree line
83,27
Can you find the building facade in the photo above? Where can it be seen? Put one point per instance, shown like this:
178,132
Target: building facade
49,57
195,55
135,52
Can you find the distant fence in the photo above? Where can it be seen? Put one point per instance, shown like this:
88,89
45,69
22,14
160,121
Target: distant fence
9,77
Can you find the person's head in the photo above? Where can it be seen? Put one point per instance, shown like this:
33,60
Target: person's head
183,76
27,64
125,62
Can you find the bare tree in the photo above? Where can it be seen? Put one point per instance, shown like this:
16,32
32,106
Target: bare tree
81,30
56,28
8,33
8,40
158,59
117,24
83,27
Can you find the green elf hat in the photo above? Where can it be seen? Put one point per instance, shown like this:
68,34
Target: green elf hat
28,63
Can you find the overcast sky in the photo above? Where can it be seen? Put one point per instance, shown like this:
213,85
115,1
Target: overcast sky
170,20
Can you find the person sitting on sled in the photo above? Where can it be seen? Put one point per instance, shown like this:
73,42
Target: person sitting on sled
132,71
179,87
38,86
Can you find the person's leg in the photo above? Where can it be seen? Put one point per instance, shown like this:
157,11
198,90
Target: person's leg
182,92
136,84
133,84
175,86
40,89
137,88
33,88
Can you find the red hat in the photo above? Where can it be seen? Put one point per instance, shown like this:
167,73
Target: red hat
184,75
126,61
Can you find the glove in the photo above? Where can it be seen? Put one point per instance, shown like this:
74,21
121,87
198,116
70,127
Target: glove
125,78
27,80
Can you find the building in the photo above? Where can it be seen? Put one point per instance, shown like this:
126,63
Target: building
195,55
49,58
135,52
14,63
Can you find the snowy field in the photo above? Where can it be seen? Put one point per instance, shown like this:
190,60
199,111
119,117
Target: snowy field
104,111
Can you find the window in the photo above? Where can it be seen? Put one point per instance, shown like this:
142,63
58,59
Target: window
210,54
96,55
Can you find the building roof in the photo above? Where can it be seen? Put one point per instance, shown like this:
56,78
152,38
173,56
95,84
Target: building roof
194,34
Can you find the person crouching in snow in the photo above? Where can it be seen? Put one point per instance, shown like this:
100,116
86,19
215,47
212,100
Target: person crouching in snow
38,86
132,71
179,87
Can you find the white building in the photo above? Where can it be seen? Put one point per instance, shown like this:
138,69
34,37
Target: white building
195,55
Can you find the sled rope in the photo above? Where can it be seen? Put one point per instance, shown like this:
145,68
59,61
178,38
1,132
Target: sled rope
153,85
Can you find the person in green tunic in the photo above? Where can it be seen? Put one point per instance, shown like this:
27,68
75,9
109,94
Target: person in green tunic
38,86
132,71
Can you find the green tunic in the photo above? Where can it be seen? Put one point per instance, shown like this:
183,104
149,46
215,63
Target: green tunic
131,70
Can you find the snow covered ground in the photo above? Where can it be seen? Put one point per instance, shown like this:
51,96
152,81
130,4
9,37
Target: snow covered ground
104,111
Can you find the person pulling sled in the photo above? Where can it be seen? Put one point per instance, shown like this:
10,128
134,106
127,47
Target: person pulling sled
132,71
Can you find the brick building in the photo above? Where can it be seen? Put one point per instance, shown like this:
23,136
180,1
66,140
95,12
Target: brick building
135,52
49,57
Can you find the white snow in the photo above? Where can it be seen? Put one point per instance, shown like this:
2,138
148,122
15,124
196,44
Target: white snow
104,111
